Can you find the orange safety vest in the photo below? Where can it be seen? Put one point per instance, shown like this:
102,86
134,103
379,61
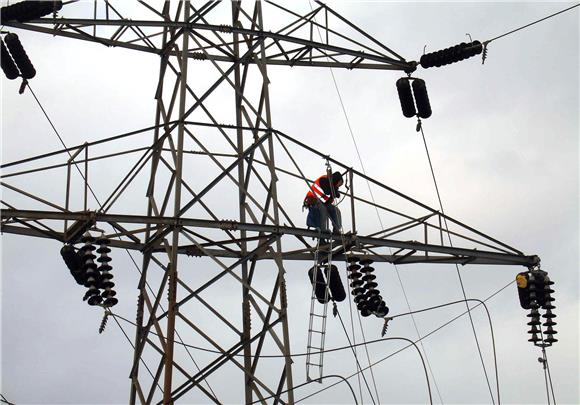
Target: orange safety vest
316,192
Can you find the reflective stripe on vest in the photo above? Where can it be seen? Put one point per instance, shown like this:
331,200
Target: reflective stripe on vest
316,190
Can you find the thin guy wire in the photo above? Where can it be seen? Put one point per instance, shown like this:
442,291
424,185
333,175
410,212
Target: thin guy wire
133,346
532,23
550,377
100,205
5,401
547,372
343,242
382,228
359,367
458,272
62,142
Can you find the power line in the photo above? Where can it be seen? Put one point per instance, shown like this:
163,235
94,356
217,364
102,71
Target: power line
428,334
413,343
392,338
342,236
382,228
62,142
340,348
532,23
355,356
457,269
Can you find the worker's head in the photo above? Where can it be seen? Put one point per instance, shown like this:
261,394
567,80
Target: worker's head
337,179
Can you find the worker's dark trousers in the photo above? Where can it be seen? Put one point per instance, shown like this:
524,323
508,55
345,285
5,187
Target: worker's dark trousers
319,214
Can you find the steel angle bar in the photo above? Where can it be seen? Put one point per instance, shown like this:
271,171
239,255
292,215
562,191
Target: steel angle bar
229,269
182,371
223,353
273,229
59,165
72,148
209,369
209,27
227,170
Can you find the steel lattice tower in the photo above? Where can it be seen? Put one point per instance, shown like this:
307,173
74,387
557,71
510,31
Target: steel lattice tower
180,220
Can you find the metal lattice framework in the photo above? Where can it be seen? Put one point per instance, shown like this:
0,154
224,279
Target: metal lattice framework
190,155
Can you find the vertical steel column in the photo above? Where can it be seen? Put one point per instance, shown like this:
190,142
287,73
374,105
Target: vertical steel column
246,317
172,267
150,196
274,195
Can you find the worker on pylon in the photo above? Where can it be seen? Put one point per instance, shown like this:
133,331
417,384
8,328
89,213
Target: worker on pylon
321,202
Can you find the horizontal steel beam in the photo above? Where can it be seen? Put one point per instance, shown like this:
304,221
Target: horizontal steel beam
457,255
390,63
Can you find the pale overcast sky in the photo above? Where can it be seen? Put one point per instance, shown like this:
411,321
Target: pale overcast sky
504,143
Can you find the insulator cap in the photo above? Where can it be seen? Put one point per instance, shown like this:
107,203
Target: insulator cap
108,293
382,310
95,300
356,283
359,298
103,249
87,248
354,275
359,290
365,312
109,302
534,338
549,315
8,65
550,339
104,259
353,267
105,267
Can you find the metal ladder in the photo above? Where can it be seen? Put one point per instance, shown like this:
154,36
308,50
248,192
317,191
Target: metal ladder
317,322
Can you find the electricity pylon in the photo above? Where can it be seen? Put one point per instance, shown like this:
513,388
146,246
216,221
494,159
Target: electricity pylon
213,96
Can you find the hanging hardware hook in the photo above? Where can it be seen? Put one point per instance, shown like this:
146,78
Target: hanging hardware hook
469,35
484,53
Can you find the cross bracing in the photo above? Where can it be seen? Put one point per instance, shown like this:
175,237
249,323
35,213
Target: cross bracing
213,140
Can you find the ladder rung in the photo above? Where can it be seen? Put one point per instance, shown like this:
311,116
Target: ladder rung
314,364
316,331
318,316
314,347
